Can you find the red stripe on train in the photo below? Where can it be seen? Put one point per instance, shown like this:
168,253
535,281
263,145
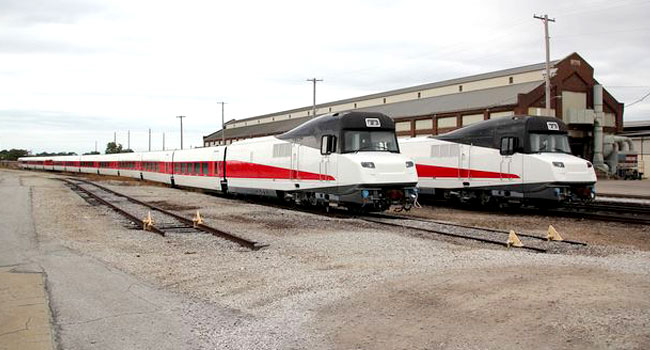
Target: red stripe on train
240,169
439,171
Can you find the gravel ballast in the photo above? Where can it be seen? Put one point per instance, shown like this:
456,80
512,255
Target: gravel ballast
328,282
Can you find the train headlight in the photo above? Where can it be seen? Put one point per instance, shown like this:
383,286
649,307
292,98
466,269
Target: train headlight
409,164
558,164
370,165
589,165
365,193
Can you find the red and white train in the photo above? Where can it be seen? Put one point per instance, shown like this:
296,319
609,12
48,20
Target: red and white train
519,159
343,159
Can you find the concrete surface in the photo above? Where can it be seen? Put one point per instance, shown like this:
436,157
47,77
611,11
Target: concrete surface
92,305
24,312
624,187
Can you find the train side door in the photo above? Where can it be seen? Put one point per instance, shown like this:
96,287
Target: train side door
295,161
328,167
465,163
507,150
511,168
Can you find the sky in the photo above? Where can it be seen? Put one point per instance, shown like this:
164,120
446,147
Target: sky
76,72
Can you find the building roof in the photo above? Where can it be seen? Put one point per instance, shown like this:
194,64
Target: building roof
489,75
478,99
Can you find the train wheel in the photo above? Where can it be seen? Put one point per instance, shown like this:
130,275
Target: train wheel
484,199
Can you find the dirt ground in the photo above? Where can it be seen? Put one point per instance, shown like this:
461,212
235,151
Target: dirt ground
326,283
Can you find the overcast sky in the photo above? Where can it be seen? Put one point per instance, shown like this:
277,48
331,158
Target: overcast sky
74,71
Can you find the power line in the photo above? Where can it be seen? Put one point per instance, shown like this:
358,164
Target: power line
639,100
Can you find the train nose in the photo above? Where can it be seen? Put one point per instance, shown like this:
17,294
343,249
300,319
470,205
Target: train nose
384,170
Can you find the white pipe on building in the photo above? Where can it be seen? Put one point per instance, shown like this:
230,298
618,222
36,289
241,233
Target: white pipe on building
599,161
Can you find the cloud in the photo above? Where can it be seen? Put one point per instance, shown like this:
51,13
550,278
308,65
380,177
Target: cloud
33,12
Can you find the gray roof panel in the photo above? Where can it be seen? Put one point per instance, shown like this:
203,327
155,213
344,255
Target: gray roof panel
479,99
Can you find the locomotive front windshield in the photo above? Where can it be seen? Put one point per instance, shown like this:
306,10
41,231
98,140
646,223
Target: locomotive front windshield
362,140
558,143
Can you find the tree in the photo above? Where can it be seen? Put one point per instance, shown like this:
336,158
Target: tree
113,147
91,153
13,154
49,154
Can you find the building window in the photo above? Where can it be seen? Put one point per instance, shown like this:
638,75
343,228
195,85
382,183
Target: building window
424,124
447,122
355,105
330,109
403,126
460,88
419,94
471,119
384,99
511,80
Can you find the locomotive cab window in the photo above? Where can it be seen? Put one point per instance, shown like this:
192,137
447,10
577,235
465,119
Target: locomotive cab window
328,144
362,140
508,145
557,143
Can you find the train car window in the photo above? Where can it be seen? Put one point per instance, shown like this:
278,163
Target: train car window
182,168
197,168
204,168
281,150
177,167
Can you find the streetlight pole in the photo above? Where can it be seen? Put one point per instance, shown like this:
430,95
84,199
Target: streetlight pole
223,124
545,19
149,140
181,118
313,108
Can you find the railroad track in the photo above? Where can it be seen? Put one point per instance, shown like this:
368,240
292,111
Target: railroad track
473,233
631,213
165,221
476,233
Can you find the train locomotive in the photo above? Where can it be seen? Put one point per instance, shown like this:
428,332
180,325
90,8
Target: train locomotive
514,160
349,159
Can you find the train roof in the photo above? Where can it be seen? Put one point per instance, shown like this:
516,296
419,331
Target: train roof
335,122
528,123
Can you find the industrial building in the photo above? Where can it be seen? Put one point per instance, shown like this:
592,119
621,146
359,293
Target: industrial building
639,133
440,107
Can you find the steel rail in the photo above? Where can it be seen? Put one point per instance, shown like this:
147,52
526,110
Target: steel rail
114,207
253,245
506,232
484,240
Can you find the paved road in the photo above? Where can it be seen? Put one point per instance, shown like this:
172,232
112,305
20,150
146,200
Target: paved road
92,305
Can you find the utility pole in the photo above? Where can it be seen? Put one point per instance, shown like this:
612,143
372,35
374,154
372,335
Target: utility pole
223,124
150,140
545,19
128,139
163,141
95,146
115,137
313,109
181,118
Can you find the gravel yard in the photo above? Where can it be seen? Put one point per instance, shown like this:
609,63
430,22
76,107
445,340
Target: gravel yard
330,283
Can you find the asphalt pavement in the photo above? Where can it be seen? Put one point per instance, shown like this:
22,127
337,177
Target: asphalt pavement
72,301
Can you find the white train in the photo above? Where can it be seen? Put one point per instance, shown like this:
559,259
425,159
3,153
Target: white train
519,159
342,159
